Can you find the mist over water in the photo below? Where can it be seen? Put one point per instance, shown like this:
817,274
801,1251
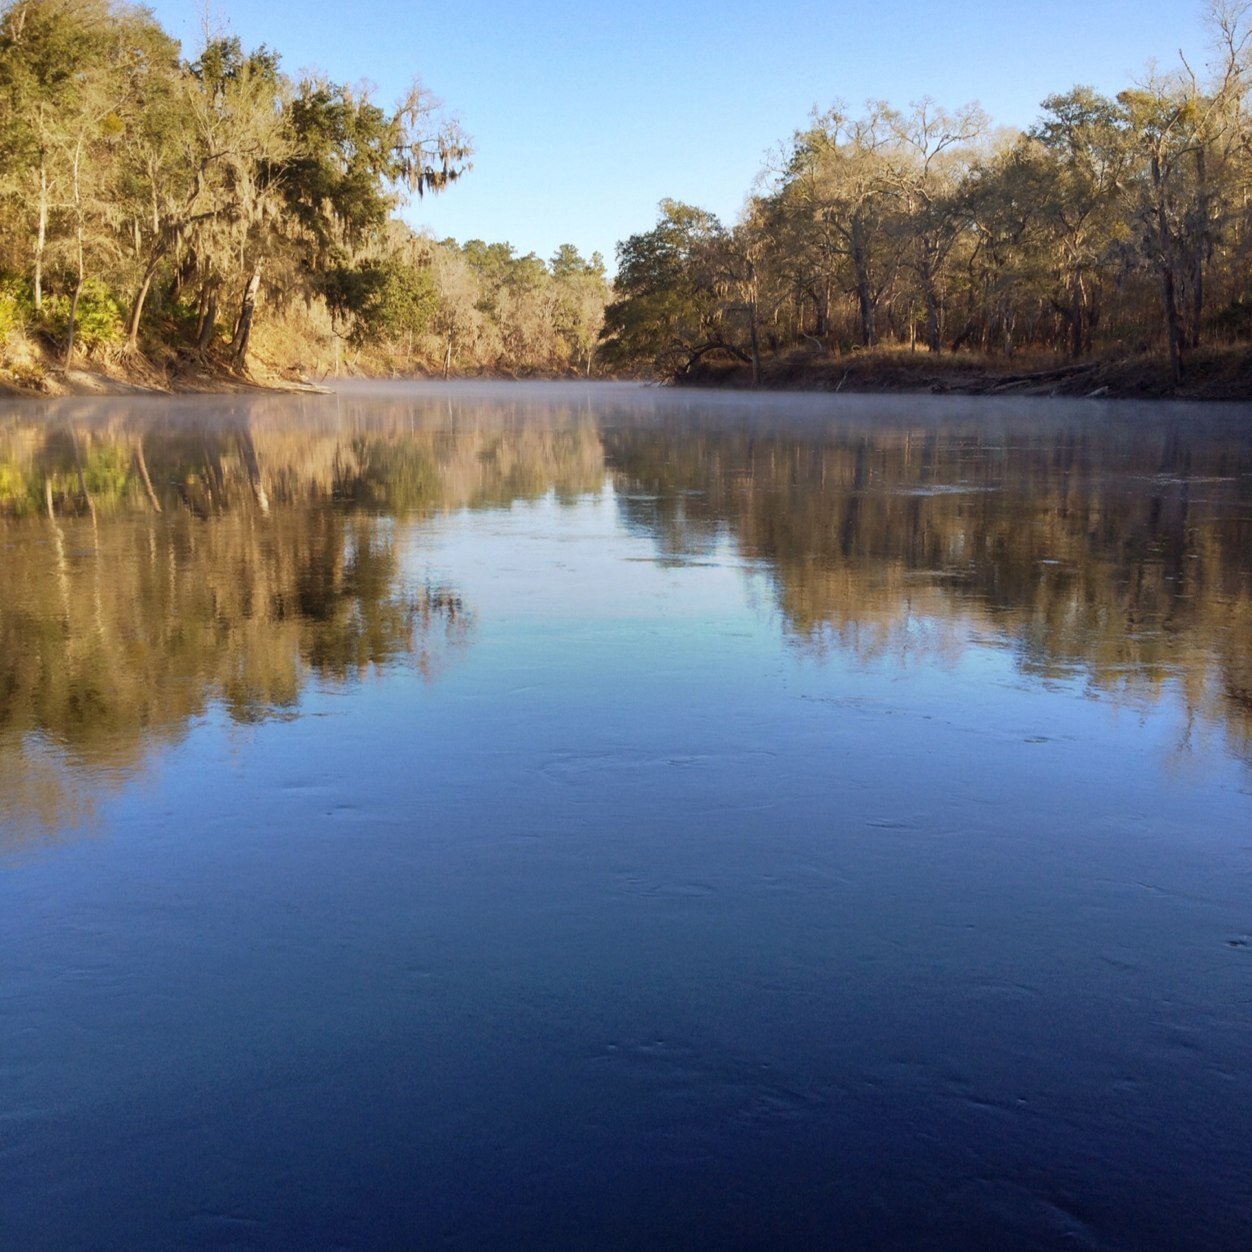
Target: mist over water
596,816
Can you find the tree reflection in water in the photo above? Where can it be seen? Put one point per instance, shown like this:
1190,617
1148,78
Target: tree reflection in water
1113,552
154,568
158,563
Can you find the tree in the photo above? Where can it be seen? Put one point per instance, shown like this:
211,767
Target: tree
50,51
582,292
665,312
837,186
352,164
1189,137
1080,162
457,319
928,162
73,79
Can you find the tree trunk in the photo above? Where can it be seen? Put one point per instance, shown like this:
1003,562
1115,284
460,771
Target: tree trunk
183,274
208,321
933,341
69,338
136,308
820,296
1169,287
865,303
41,239
1200,248
1173,326
1197,301
754,339
78,286
239,346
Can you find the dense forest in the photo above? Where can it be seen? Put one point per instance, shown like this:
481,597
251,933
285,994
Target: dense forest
158,212
1111,227
161,215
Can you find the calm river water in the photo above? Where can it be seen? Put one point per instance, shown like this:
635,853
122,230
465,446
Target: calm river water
605,817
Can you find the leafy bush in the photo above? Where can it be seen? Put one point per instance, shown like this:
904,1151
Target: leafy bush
98,318
16,308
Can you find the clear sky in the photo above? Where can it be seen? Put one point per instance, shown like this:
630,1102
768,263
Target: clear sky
583,116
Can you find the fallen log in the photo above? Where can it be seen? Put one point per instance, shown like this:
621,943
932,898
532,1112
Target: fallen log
1044,376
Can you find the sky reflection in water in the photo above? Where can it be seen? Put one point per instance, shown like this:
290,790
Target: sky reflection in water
603,817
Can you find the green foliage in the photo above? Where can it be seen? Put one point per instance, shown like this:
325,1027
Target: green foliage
181,316
665,306
97,319
16,308
379,299
337,181
352,291
493,263
224,63
407,301
170,188
176,186
582,293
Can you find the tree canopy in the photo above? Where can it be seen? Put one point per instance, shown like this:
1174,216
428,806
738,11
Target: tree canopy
147,197
1111,225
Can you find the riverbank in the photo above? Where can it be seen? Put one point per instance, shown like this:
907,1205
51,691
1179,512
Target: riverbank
1210,374
33,372
137,376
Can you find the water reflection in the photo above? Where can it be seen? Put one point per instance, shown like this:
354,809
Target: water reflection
157,563
738,801
161,559
1116,549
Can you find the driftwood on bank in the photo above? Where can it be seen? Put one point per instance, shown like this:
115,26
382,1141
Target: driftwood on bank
1041,376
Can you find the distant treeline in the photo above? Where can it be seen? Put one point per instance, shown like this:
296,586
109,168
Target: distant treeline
1111,226
154,208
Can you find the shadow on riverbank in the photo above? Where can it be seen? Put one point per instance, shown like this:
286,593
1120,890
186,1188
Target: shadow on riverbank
1210,374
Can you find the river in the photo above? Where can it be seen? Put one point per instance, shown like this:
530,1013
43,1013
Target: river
562,816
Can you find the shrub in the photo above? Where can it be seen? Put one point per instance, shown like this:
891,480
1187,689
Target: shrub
98,319
16,308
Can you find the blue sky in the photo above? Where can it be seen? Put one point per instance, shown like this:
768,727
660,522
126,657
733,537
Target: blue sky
584,116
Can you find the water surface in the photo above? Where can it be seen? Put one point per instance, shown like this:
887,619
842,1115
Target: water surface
488,816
